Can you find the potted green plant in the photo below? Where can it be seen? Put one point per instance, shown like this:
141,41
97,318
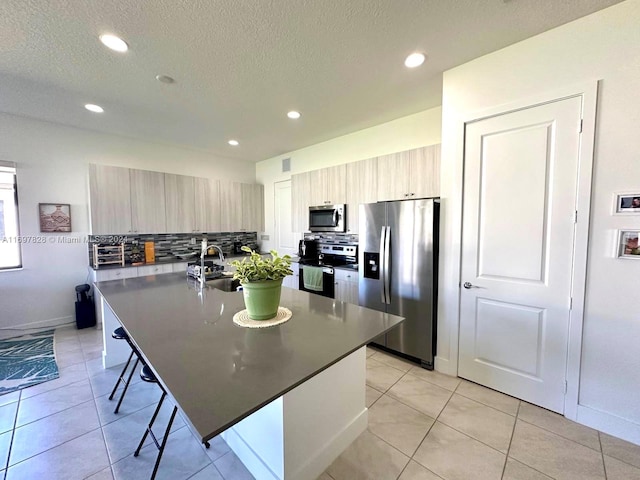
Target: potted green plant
261,280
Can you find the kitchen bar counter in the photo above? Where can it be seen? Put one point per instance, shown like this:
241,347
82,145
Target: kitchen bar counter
219,373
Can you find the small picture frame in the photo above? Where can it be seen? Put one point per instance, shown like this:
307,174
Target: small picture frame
54,217
628,246
626,203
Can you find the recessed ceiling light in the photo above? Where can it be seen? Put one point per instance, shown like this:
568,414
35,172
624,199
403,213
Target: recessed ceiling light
414,60
94,108
235,143
114,43
165,79
293,114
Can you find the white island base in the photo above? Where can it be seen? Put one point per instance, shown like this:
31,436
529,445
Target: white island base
297,436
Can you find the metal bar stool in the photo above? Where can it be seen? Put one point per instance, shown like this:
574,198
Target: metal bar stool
120,334
147,375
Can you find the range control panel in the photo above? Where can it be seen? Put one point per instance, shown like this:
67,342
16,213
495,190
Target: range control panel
344,250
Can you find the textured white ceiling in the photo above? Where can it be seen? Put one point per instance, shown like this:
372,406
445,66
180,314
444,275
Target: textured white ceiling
240,65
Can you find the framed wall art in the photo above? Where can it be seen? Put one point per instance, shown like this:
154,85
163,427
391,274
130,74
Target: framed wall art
628,244
626,203
54,217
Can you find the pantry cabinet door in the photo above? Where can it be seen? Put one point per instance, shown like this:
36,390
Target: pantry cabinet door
362,187
110,199
207,205
180,203
148,213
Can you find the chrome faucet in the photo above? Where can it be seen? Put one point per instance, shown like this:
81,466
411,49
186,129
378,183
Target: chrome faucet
220,254
205,247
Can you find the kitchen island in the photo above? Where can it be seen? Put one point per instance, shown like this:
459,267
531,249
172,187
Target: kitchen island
288,398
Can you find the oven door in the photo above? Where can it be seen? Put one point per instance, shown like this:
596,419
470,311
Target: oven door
328,282
327,218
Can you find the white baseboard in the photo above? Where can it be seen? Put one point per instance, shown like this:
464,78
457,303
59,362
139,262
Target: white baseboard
247,456
333,448
50,323
609,424
443,365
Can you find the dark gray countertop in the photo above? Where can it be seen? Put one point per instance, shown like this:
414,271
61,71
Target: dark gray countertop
218,372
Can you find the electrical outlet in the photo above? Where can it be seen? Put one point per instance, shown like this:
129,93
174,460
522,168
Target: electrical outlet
193,240
264,237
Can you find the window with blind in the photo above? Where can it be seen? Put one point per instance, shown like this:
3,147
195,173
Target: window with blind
10,255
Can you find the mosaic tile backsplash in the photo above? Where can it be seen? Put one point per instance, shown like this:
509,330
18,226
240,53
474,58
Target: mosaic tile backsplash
334,238
170,246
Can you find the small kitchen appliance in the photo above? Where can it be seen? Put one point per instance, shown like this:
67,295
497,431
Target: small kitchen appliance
327,218
308,249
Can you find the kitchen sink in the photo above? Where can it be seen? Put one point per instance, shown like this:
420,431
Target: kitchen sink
224,284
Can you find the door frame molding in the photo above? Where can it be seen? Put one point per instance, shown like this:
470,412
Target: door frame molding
451,234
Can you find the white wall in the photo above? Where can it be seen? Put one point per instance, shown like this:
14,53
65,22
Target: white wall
52,167
606,46
414,131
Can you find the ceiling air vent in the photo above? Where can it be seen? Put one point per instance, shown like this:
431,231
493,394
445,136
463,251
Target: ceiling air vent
286,165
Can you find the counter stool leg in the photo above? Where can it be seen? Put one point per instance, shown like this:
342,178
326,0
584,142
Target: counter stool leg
153,419
164,442
120,379
126,384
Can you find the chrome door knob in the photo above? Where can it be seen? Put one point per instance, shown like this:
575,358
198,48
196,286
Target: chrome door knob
467,285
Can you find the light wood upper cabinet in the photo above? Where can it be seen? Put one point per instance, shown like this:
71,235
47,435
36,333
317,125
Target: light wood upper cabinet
393,176
148,213
124,200
328,186
300,201
179,191
207,205
362,187
424,165
410,174
110,199
230,206
335,184
252,207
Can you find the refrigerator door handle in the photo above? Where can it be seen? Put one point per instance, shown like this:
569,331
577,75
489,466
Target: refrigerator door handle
387,272
383,293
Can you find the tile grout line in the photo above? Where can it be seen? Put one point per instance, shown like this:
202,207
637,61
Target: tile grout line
13,433
513,432
104,439
604,465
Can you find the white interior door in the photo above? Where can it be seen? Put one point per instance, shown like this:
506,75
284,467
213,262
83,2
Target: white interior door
520,182
285,238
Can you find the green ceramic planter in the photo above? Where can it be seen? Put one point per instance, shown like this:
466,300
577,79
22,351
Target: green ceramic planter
262,298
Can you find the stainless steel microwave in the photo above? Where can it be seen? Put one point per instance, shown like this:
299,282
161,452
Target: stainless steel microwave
327,218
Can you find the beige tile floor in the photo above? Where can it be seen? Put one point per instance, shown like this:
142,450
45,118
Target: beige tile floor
425,426
422,426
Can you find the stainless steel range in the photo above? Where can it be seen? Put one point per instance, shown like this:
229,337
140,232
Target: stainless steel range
317,274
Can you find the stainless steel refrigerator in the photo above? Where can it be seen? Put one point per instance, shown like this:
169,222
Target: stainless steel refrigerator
398,260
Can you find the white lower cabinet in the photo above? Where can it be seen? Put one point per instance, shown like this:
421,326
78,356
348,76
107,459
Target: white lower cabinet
179,267
292,281
114,274
155,269
346,286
